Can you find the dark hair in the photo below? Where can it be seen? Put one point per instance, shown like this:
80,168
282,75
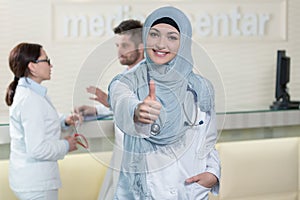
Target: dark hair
19,58
131,27
166,20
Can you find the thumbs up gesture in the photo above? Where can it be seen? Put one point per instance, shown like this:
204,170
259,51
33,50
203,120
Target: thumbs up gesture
148,111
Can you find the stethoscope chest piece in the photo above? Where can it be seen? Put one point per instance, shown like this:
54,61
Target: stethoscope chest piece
155,129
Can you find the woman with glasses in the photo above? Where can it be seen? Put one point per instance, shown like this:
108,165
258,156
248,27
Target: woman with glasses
167,114
35,126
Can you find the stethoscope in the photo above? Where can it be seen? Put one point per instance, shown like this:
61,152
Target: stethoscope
155,127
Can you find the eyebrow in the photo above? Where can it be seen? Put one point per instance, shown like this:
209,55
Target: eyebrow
169,33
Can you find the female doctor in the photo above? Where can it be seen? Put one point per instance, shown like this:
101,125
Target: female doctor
35,127
167,114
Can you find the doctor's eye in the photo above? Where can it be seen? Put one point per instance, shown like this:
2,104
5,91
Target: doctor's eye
153,34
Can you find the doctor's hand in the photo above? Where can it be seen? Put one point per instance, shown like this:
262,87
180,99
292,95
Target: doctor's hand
101,96
73,119
148,111
72,142
205,179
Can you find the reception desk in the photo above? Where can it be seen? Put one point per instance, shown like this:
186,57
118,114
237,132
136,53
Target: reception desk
232,126
268,158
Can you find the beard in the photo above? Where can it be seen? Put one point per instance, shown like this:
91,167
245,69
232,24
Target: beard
131,59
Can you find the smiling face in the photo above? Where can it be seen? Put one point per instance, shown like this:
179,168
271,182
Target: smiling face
163,42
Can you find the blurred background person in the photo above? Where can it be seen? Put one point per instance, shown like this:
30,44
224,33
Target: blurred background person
129,45
128,40
35,126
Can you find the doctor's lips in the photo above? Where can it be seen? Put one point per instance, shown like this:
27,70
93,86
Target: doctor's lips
160,53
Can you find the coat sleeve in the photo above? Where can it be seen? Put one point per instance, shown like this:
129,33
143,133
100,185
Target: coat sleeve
103,110
123,102
39,144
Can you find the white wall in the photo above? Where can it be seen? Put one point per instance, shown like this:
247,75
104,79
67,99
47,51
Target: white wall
246,63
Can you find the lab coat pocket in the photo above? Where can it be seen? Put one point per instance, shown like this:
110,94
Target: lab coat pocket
200,192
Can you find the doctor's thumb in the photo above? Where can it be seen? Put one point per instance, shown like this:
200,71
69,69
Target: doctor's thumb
152,90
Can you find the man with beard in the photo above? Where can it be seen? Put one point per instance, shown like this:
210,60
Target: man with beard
130,52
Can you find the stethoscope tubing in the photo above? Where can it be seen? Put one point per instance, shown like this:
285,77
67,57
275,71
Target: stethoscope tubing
155,127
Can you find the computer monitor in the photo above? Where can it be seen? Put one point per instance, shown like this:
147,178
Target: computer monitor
282,76
282,79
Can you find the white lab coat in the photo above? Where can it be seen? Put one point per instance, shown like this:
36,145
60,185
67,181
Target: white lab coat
110,181
167,181
169,168
35,130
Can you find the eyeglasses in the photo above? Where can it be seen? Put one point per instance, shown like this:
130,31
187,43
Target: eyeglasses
44,60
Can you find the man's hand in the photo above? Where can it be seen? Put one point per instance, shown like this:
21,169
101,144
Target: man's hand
205,179
148,111
85,110
101,96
